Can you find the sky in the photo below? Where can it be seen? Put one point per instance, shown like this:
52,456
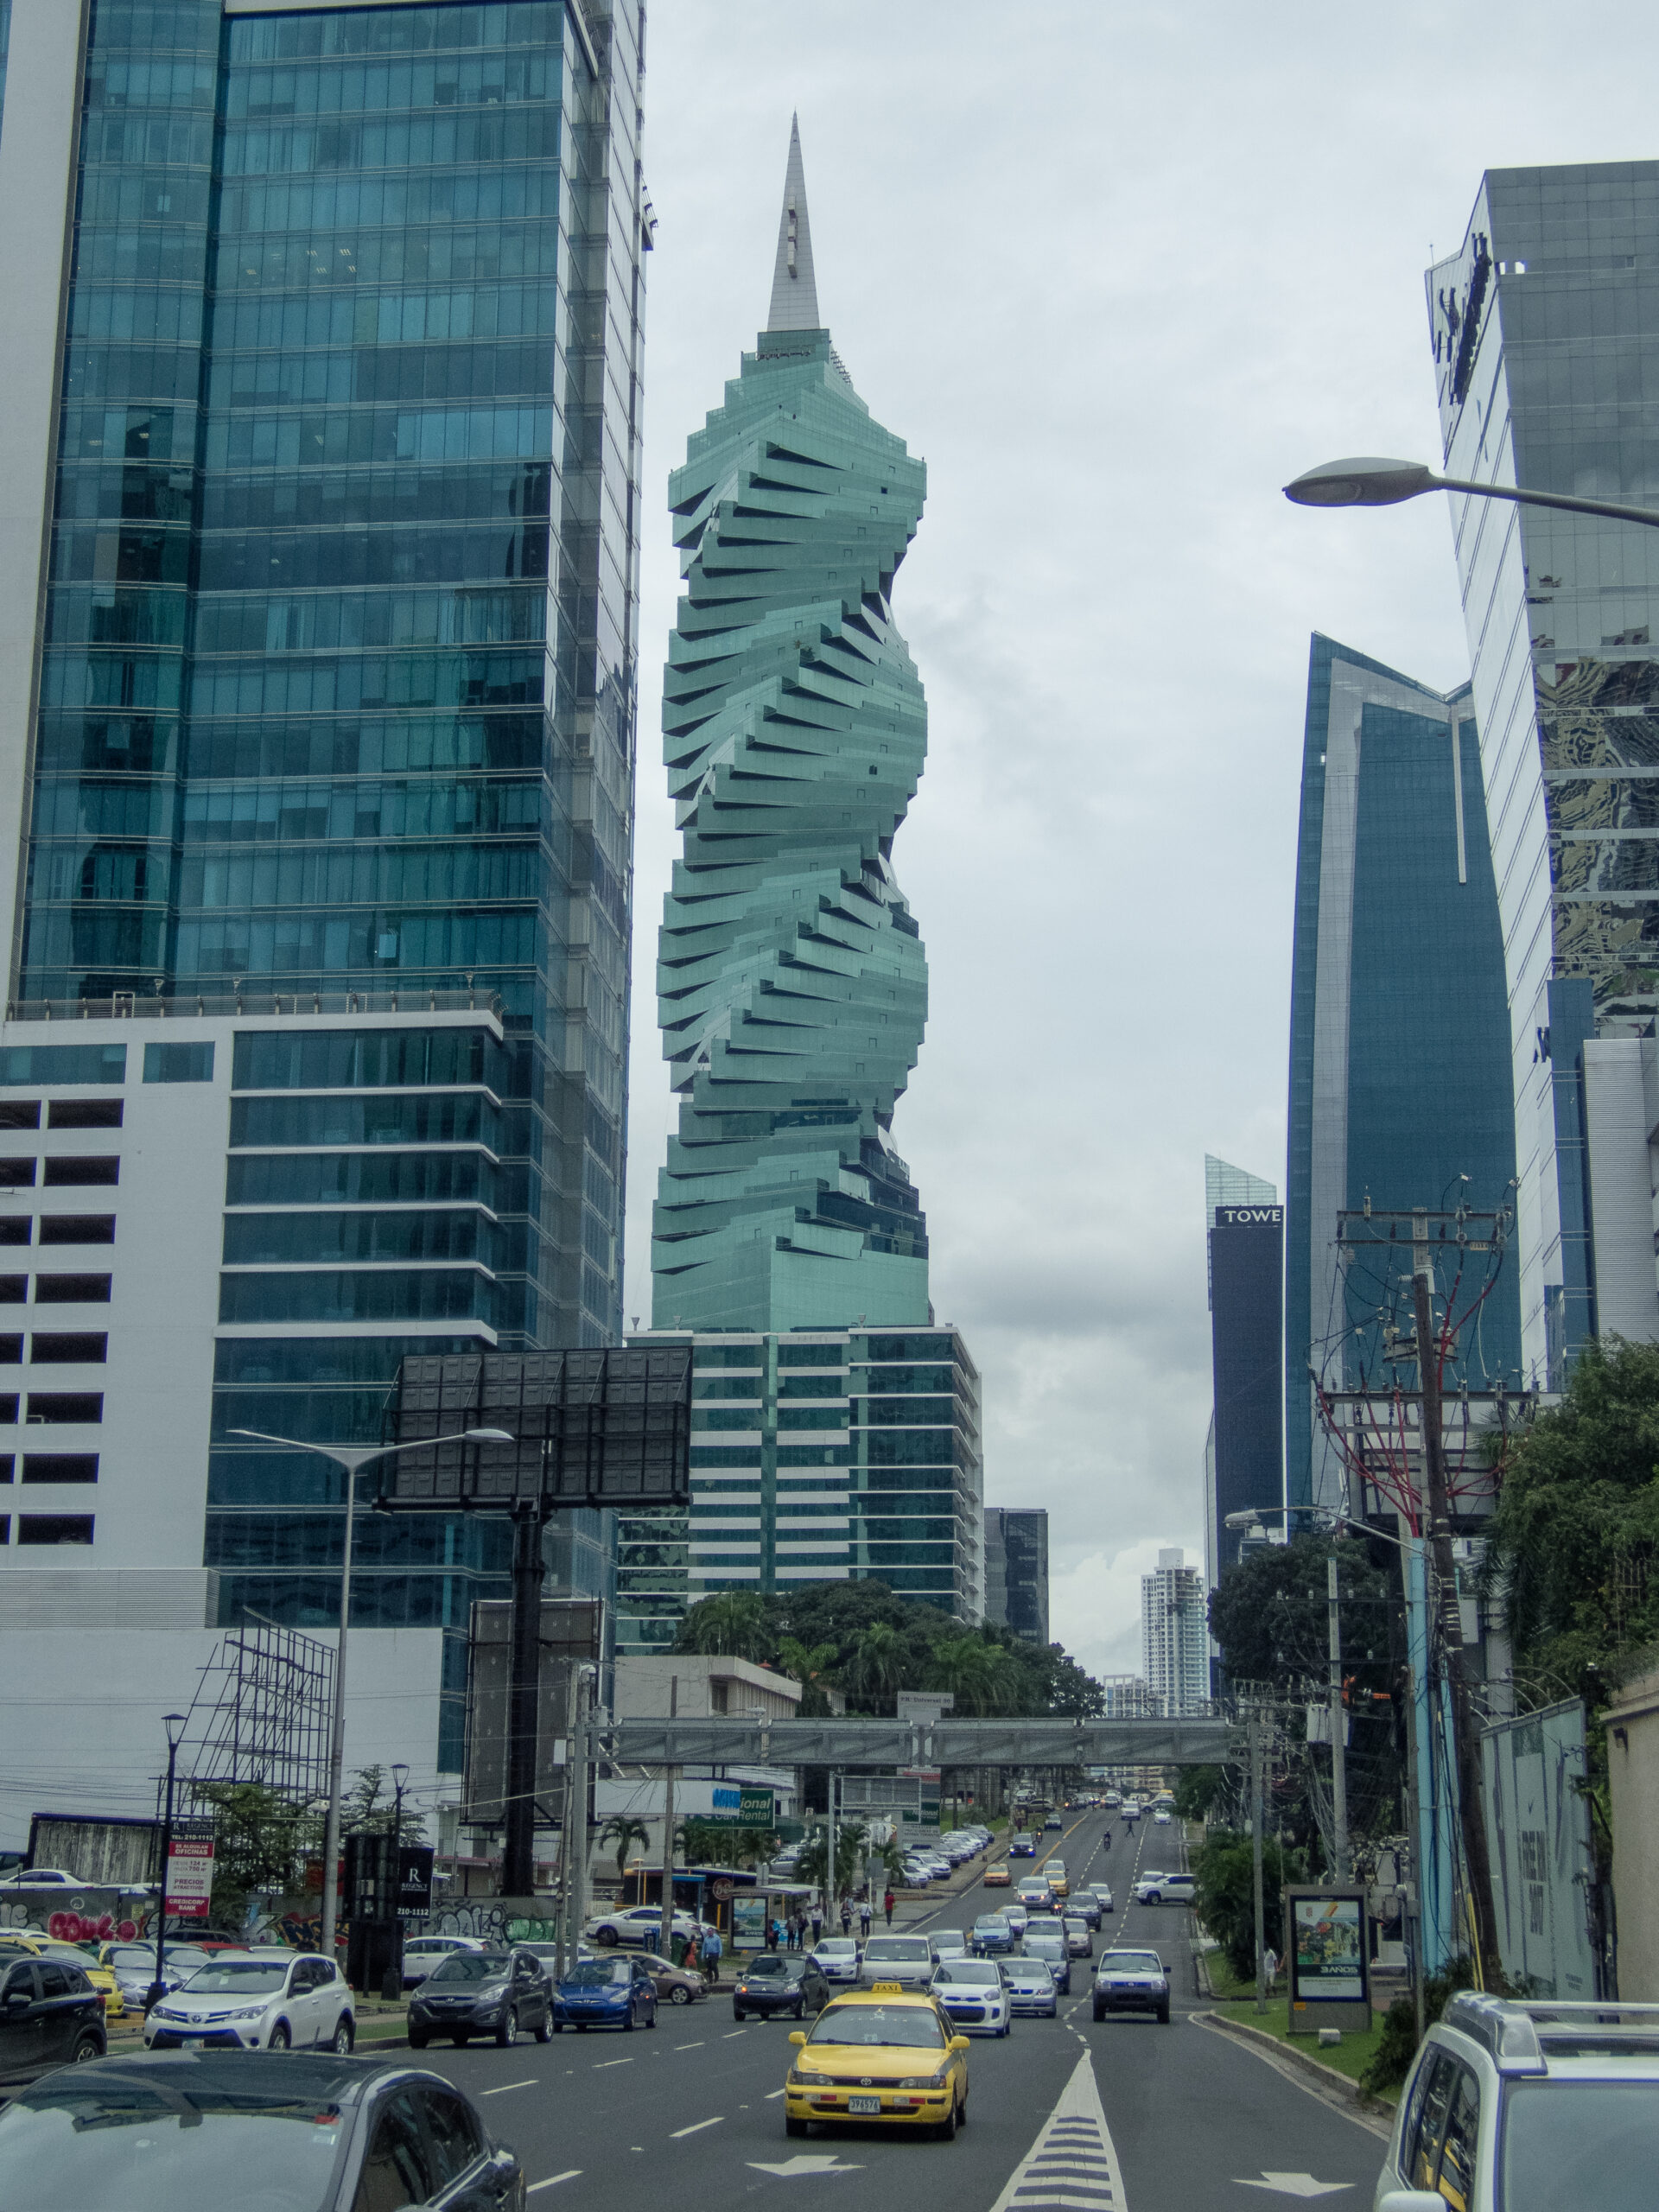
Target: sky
1117,274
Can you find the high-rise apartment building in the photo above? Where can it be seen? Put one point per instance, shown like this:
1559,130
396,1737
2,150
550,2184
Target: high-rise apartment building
1399,1046
835,1426
318,644
1016,1570
1542,326
1243,1457
1174,1635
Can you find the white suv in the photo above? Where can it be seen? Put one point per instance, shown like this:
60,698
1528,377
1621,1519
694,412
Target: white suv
256,2001
1534,2107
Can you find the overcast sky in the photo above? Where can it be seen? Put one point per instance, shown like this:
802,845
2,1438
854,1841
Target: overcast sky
1116,273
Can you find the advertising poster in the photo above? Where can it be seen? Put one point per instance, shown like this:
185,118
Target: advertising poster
190,1879
1328,1961
749,1922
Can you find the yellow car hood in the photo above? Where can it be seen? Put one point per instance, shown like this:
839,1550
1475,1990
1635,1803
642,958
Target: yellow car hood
879,2061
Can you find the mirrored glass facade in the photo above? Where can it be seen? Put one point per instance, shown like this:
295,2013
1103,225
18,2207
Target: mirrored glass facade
1543,329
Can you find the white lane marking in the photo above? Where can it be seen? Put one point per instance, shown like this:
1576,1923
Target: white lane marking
731,2032
553,2180
696,2127
807,2162
687,2046
772,2096
1293,2185
604,2063
501,2090
1073,2162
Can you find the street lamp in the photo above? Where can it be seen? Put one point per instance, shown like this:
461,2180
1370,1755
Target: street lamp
174,1724
1367,481
353,1460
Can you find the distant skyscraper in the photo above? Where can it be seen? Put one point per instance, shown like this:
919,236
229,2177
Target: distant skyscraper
1174,1635
1544,327
1016,1570
791,981
1399,1043
1245,1452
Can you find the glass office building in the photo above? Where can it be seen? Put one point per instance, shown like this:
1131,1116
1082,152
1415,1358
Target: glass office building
326,359
1544,328
1243,1461
1399,1040
1016,1570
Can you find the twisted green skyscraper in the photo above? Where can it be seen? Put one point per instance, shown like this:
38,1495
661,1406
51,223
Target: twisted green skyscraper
792,985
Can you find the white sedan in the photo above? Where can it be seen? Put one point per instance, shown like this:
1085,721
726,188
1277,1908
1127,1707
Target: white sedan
423,1952
257,2000
641,1924
42,1878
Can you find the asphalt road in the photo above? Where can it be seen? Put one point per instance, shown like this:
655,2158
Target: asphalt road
1125,2116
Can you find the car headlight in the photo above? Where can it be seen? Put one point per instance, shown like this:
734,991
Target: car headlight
810,2080
245,2013
163,2012
925,2081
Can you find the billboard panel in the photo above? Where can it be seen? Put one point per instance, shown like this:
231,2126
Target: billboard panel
571,1632
1543,1866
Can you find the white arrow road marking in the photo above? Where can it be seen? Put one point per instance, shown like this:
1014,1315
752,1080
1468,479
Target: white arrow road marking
1072,2163
807,2162
553,2180
696,2127
1293,2185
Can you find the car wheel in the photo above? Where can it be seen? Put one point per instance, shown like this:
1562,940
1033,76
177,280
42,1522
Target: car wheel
679,1994
1100,2012
344,2038
1163,2016
629,2024
606,1936
738,2016
88,2047
798,2126
507,2033
280,2038
946,2130
544,2028
418,2038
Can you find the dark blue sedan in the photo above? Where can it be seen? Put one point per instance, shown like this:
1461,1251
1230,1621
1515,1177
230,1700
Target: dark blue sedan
606,1993
991,1936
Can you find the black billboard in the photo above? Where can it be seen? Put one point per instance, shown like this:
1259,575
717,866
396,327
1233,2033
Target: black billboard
590,1428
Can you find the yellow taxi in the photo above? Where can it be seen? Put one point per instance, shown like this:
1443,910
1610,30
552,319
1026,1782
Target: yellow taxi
47,1947
996,1877
1054,1873
879,2054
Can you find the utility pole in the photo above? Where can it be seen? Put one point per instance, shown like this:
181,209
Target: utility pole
666,1931
565,1952
523,1697
830,1861
1255,1859
173,1723
576,1819
1339,1726
1471,1813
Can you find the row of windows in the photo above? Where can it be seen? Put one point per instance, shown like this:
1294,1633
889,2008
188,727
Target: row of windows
252,1538
372,875
52,1466
78,1174
246,562
371,1059
410,744
293,812
463,26
352,203
520,368
62,1113
93,614
455,253
59,1229
63,1348
507,309
48,1528
415,142
434,1118
56,1409
455,81
444,945
393,492
375,1294
361,1178
56,1290
299,1239
378,434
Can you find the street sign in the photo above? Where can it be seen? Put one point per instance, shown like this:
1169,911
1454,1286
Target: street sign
720,1888
190,1878
757,1808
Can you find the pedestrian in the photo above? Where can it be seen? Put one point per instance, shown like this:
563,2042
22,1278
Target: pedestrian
864,1920
712,1948
817,1927
886,1906
1270,1962
800,1931
690,1961
846,1917
774,1929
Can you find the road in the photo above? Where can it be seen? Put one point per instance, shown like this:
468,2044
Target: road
1125,2116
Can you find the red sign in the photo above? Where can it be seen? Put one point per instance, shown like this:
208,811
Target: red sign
190,1879
720,1888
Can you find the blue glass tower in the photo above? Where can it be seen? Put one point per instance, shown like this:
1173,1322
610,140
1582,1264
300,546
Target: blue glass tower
1399,1040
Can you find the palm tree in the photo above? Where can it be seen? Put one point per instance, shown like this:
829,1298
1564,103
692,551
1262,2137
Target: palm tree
808,1667
624,1832
981,1677
880,1662
734,1625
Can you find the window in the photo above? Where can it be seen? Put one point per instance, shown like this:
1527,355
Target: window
6,1464
1457,2175
15,1229
70,1174
63,1349
14,1289
398,2170
58,1467
65,1405
55,1528
5,1528
72,1290
55,1980
1420,2140
20,1112
8,1410
16,1174
178,1063
73,1229
24,1064
11,1351
85,1114
453,2132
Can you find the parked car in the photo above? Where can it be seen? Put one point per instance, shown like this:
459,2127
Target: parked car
604,1993
50,2015
495,1993
971,1994
642,1924
779,1982
674,1985
1165,1889
209,2128
133,1966
1131,1981
17,1940
1031,1988
42,1878
423,1952
270,2000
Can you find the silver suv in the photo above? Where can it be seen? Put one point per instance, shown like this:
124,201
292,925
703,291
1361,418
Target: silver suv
908,1959
1531,2106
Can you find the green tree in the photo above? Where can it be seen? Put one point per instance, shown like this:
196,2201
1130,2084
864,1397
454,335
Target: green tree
1225,1895
734,1624
622,1832
811,1670
370,1808
879,1666
1197,1790
261,1842
852,1844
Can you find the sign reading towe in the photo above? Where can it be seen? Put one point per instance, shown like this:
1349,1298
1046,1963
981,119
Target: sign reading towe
190,1878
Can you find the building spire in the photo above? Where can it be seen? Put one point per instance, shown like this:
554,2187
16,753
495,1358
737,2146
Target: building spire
794,293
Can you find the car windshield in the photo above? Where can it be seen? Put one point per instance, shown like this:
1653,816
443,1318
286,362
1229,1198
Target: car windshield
896,1950
153,2145
1046,1946
770,1967
466,1967
1131,1962
838,1947
130,1957
1578,2143
598,1974
979,1973
990,1923
909,2027
242,1977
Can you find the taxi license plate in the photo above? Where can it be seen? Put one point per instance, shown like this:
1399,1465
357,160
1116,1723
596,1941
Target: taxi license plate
863,2105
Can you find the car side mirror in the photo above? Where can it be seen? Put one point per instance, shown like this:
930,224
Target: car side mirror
957,2043
797,2035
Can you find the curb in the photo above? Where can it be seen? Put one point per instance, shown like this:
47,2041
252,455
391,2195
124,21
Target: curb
1327,2077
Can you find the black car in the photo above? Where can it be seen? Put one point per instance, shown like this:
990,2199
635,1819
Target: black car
312,2133
780,1981
496,1993
50,2015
